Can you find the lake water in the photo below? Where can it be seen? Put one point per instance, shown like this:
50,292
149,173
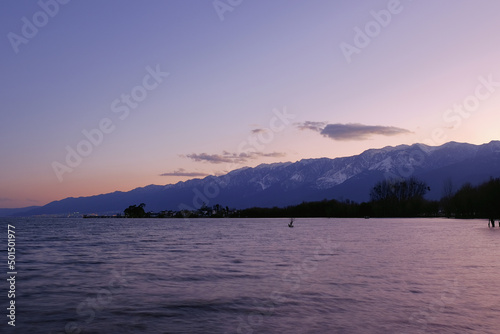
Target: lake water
254,276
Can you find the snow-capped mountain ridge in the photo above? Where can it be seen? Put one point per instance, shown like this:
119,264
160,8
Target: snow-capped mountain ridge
290,183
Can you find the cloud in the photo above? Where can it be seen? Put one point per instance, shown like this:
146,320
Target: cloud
359,131
182,172
272,155
31,200
315,126
212,158
228,157
5,199
351,131
258,130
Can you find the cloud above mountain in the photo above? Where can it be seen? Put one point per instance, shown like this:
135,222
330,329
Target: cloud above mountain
182,172
351,131
315,126
228,157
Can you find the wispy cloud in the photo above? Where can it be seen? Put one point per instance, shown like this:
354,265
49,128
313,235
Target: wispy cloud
228,157
351,131
31,200
182,172
359,131
308,125
5,199
258,130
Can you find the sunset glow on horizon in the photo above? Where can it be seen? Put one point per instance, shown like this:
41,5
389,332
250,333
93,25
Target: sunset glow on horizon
109,96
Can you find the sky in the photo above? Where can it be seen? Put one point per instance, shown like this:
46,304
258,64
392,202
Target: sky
103,96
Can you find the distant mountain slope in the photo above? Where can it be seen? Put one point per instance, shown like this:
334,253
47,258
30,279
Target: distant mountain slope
289,183
17,211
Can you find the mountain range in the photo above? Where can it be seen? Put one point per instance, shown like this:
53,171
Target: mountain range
16,211
289,183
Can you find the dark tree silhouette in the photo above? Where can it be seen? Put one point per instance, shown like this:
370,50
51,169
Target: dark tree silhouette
481,201
446,199
465,201
489,199
135,211
402,197
399,190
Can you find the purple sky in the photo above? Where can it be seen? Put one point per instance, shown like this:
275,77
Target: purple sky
156,92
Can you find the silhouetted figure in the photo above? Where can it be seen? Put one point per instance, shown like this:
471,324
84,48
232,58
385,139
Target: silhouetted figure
290,224
492,222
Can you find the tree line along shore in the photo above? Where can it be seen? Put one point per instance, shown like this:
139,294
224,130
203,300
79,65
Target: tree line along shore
388,198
